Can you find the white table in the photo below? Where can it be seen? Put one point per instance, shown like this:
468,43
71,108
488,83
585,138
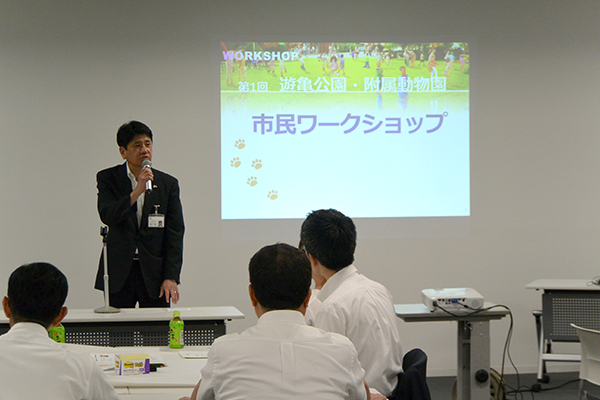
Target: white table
473,344
564,301
175,380
143,326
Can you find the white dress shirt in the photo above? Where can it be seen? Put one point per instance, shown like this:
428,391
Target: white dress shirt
140,200
33,366
282,358
363,311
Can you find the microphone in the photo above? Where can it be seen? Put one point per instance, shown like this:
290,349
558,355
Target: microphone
147,164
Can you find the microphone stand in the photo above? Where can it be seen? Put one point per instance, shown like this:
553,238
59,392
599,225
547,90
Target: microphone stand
107,309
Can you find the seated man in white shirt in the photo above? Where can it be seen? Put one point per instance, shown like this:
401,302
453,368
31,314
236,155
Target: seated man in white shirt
31,364
352,304
281,357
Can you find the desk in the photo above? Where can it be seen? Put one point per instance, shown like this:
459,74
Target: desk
178,378
143,326
473,344
564,301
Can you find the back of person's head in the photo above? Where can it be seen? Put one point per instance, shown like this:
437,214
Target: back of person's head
131,129
280,276
37,292
330,237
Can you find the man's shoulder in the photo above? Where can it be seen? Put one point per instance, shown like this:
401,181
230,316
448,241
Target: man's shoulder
309,337
356,291
317,341
34,347
371,284
332,338
358,283
83,360
111,171
226,341
163,175
227,338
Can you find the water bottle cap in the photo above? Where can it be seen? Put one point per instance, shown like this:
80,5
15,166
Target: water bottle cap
176,313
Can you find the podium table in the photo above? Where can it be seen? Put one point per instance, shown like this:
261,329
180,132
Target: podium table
473,344
143,326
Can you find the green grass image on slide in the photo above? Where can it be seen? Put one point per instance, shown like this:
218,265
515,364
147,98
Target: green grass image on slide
457,79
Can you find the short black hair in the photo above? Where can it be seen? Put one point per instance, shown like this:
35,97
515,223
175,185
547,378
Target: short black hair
37,292
330,237
131,129
280,276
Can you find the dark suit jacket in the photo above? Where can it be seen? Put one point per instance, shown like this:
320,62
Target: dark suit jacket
160,249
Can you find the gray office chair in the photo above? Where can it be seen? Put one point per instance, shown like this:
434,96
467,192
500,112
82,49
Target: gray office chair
412,382
590,358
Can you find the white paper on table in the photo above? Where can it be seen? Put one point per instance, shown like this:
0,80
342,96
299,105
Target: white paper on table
105,361
194,354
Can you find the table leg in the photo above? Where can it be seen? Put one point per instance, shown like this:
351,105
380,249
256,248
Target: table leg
473,356
540,374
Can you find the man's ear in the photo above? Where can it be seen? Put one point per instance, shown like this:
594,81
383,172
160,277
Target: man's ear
252,296
6,307
122,151
61,316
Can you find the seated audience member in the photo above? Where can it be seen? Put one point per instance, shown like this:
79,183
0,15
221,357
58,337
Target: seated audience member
281,357
31,364
352,304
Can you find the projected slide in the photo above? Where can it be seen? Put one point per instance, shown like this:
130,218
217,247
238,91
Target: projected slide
372,129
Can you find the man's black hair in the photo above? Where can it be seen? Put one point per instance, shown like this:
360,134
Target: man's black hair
280,276
131,129
36,293
330,237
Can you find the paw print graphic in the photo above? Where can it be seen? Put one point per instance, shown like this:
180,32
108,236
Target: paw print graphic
272,194
235,162
240,144
257,164
252,181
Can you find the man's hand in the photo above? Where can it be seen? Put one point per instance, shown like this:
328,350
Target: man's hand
378,396
169,290
144,176
194,392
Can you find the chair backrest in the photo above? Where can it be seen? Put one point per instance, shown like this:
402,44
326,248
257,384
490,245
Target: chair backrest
590,354
412,382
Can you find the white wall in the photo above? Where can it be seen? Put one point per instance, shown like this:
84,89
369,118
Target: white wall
72,71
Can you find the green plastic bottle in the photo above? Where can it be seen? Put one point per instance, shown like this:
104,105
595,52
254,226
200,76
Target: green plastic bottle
57,333
176,331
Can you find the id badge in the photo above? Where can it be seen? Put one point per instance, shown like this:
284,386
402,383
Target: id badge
156,220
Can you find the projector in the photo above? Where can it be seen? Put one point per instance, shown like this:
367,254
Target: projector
455,299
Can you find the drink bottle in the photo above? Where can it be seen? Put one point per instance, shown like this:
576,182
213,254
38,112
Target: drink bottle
176,331
57,333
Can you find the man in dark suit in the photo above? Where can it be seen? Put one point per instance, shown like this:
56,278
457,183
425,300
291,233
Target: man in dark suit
145,236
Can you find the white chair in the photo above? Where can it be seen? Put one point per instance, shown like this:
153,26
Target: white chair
590,357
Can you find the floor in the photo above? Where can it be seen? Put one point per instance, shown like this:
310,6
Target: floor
562,386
